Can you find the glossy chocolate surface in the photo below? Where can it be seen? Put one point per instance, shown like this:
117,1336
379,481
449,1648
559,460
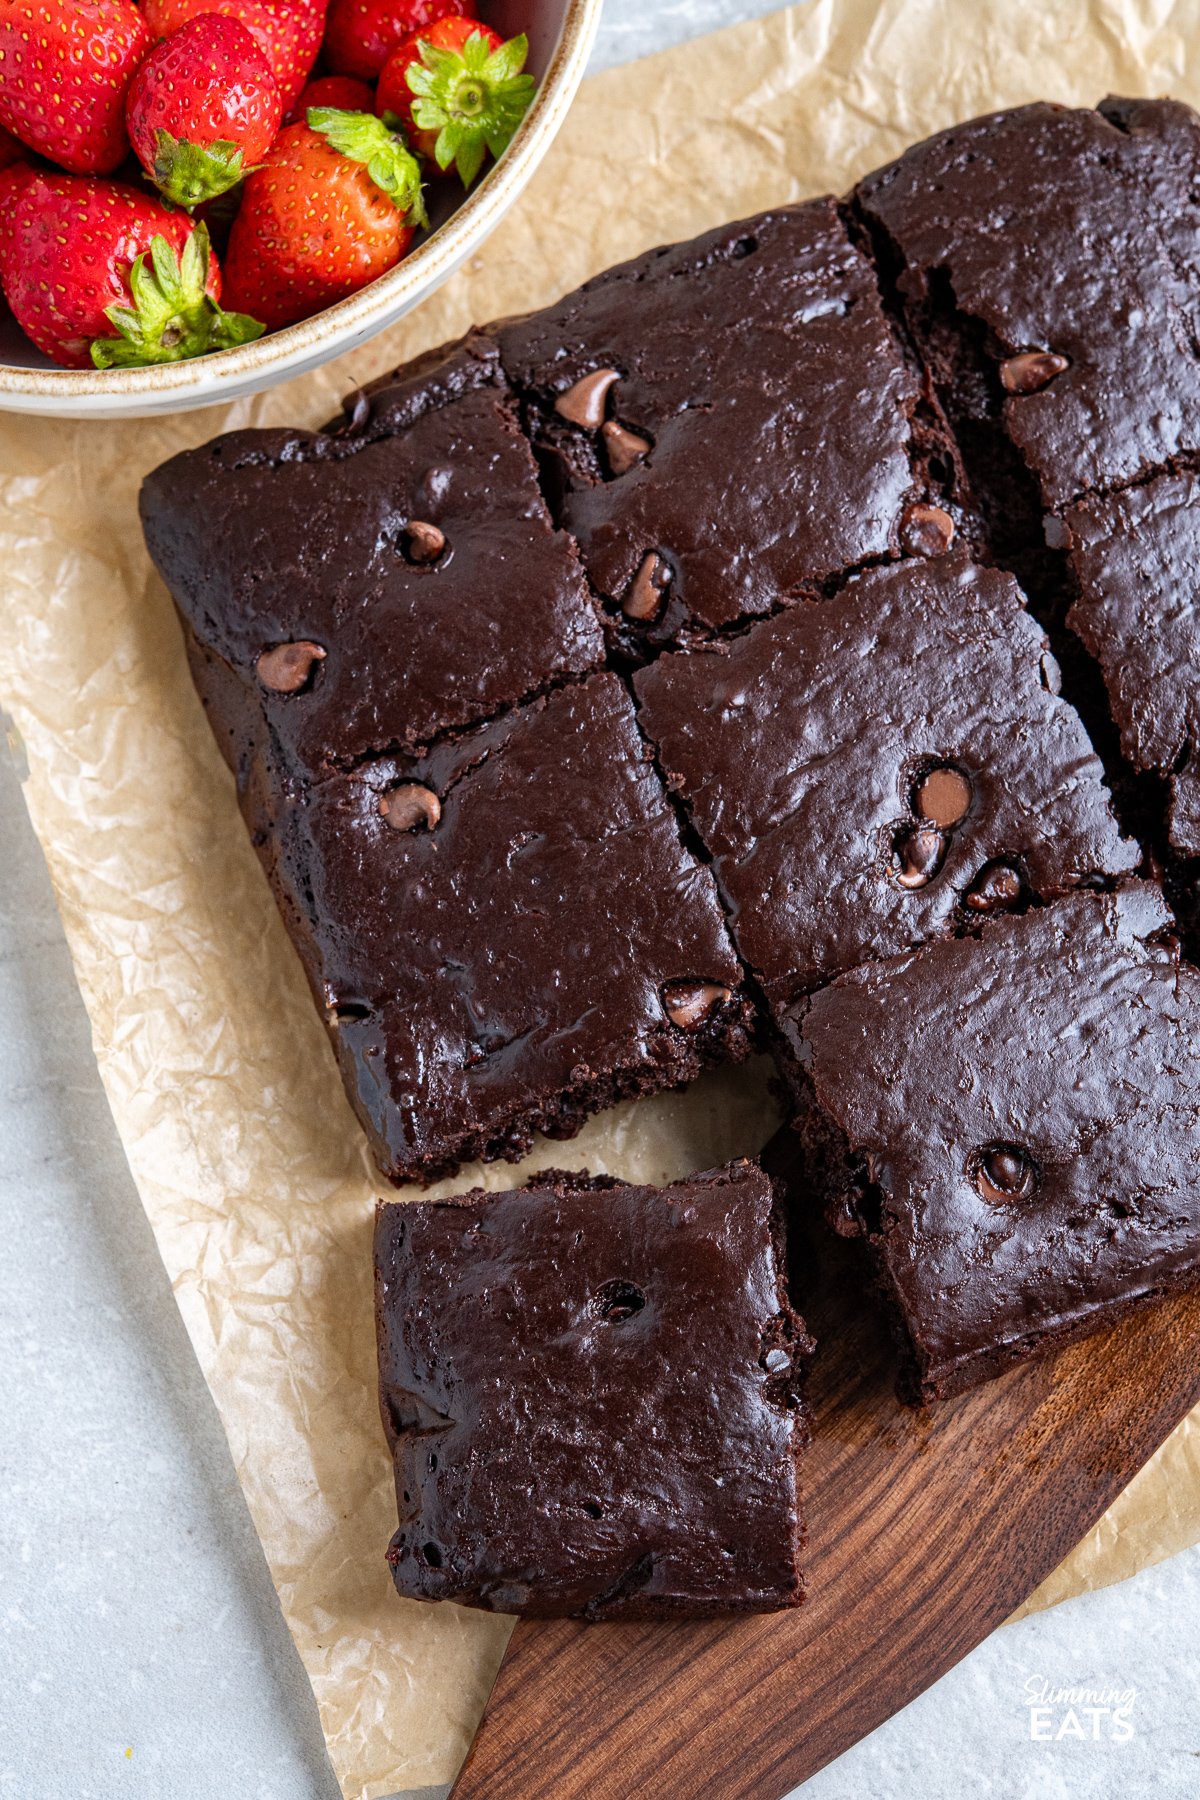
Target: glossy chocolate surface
758,364
513,966
1070,234
854,768
1020,1125
1136,562
268,537
591,1396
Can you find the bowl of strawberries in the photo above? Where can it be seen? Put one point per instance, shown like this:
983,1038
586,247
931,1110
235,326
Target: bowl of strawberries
199,198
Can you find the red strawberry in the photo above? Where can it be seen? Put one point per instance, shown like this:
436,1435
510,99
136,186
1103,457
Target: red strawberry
202,106
362,34
11,150
335,205
458,90
288,31
14,178
98,273
346,93
64,73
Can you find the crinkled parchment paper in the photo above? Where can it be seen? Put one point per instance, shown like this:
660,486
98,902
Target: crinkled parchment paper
251,1166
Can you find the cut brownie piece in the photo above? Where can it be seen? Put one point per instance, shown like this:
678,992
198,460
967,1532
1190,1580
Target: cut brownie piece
591,1393
508,933
1057,246
1013,1124
880,768
1136,561
373,588
730,421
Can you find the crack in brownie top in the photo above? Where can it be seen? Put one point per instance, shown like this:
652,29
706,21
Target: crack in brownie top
725,423
507,933
381,588
1073,236
1136,560
881,768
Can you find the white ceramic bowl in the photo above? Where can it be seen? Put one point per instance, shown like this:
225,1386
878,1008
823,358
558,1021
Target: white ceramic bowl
560,36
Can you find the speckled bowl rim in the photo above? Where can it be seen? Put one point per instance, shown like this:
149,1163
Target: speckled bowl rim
271,358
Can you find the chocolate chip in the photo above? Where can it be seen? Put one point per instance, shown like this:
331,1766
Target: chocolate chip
624,448
1003,1172
926,530
689,1003
943,796
617,1301
921,851
287,668
644,595
996,886
776,1361
423,542
410,807
583,402
1031,371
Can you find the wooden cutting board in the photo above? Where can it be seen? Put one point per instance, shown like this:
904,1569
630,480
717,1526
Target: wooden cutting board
925,1532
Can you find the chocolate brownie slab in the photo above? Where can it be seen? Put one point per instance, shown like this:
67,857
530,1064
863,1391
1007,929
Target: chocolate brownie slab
730,421
506,934
1047,259
1013,1126
373,588
1136,563
591,1392
880,768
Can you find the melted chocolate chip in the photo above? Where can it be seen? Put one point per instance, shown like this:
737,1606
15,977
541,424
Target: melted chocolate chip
410,807
617,1301
288,667
689,1003
644,595
943,796
997,885
583,402
423,542
921,852
1031,371
926,530
623,447
1003,1172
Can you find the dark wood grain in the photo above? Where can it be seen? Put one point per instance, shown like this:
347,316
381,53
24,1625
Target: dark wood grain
925,1532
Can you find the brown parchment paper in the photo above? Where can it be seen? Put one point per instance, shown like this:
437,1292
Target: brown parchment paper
248,1159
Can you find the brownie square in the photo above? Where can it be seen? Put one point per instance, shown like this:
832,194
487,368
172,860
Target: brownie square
881,768
730,421
1136,563
591,1393
372,588
1013,1126
506,934
1058,246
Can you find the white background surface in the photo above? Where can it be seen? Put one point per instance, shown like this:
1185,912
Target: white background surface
142,1652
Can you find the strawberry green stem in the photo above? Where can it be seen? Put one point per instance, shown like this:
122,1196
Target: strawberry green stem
388,160
172,315
474,98
188,174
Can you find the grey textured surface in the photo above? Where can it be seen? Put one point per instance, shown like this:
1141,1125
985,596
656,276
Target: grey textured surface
141,1647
